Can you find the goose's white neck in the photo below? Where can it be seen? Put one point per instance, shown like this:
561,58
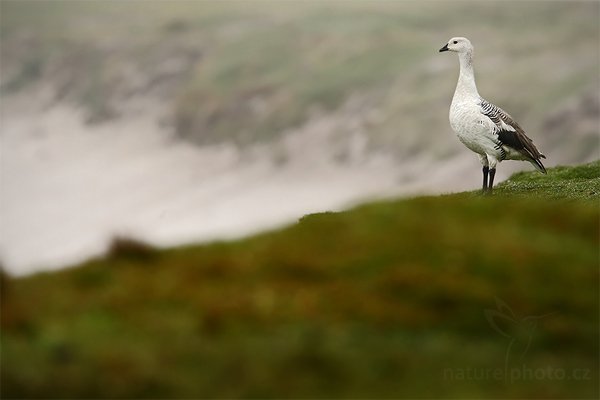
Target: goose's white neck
466,80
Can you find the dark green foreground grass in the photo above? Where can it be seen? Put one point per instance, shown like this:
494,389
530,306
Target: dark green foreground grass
386,300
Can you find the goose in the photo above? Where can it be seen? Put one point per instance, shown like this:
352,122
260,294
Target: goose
483,127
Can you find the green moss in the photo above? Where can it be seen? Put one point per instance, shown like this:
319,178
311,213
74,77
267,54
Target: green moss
581,183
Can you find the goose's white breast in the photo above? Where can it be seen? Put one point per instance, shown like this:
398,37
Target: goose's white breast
473,128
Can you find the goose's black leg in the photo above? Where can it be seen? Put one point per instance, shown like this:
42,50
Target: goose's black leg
491,184
485,178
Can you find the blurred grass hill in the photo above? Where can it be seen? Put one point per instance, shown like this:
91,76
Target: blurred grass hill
387,300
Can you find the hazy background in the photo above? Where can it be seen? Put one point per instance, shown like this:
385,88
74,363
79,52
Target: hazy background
175,122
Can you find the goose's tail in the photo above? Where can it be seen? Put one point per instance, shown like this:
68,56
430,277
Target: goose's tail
538,164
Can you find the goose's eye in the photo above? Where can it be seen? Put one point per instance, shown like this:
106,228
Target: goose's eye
455,42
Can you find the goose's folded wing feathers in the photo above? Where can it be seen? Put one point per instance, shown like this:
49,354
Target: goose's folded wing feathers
509,131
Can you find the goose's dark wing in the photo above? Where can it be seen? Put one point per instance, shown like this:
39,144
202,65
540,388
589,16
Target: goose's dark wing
509,131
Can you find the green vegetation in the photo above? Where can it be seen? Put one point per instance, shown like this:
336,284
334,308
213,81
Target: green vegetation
579,183
385,300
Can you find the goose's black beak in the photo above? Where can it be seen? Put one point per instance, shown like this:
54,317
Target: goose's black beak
445,48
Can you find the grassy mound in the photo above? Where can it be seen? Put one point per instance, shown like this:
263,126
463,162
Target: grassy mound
453,296
568,183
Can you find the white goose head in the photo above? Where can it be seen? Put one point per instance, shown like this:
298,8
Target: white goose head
458,45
